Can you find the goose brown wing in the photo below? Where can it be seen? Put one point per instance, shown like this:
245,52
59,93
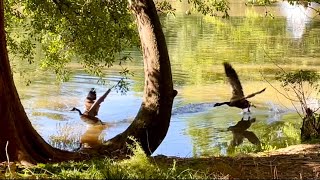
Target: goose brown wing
237,92
94,108
253,94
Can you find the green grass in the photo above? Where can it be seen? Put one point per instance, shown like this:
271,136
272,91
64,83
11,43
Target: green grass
137,166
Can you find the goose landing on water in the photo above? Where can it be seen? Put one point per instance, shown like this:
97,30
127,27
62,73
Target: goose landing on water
88,119
238,99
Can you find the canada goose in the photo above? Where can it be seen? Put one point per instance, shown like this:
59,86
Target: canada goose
92,107
89,101
92,95
87,118
238,99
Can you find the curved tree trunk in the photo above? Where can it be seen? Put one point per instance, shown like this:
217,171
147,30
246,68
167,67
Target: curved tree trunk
18,139
20,142
151,124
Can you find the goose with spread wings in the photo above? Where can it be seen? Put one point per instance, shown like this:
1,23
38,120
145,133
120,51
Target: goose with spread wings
93,110
238,99
92,107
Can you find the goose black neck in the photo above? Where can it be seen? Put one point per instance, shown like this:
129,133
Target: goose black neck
220,104
80,113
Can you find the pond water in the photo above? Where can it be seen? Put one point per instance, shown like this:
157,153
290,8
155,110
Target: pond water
255,45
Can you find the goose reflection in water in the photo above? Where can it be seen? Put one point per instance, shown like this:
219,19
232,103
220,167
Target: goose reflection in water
239,132
92,137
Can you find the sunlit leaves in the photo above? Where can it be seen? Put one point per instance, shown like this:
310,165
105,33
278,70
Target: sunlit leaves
302,82
260,2
164,6
298,77
19,43
211,7
90,32
306,3
56,57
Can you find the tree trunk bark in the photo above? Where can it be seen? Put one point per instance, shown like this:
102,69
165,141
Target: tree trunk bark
151,124
310,129
18,139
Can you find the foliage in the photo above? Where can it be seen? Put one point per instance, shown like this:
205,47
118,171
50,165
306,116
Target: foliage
211,7
164,7
302,83
306,3
91,32
65,138
260,2
137,166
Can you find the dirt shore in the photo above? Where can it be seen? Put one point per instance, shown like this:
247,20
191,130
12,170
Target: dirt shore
294,162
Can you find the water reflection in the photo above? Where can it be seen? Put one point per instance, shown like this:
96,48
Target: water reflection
298,16
93,136
66,136
240,132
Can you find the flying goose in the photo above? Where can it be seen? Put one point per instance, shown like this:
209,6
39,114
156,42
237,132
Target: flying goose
238,99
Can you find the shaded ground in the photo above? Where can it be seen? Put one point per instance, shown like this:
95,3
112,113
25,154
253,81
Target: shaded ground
294,162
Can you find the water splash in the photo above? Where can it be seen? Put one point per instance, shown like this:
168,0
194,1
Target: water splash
275,112
193,108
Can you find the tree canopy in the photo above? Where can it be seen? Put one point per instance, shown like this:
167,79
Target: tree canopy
92,32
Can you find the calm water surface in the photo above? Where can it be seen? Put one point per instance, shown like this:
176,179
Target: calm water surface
197,46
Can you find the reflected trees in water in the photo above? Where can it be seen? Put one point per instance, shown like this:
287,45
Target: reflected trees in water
207,42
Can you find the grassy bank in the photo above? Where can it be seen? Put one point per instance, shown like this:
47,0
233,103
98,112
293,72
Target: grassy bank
137,166
294,162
